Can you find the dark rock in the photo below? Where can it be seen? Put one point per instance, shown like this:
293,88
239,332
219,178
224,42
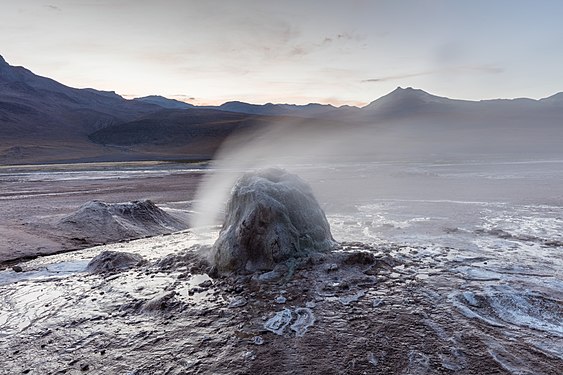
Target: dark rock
331,267
238,302
239,289
192,258
272,216
213,272
205,284
111,261
361,258
17,269
277,273
161,303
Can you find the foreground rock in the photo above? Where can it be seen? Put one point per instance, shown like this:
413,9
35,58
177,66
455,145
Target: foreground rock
359,310
112,261
98,221
272,216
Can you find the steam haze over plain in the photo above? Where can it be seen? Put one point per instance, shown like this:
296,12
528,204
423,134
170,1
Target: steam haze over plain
407,145
209,52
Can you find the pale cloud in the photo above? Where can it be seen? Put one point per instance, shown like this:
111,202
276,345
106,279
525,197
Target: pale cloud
236,49
344,37
484,69
488,69
395,77
182,97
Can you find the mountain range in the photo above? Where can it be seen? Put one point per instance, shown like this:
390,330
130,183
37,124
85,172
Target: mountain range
43,121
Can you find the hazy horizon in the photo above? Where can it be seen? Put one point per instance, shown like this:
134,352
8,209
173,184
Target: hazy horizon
206,53
361,105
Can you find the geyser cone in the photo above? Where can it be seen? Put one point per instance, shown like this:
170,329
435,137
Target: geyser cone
272,216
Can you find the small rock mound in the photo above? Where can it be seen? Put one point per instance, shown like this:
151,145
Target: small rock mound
272,216
162,303
97,221
112,261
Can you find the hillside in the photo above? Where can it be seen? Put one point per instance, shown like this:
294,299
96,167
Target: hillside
44,121
194,133
41,119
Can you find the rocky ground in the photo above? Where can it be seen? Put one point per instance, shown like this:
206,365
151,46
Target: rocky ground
468,297
356,310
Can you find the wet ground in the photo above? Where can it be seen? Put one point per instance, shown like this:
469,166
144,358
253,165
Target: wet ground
360,309
35,197
424,282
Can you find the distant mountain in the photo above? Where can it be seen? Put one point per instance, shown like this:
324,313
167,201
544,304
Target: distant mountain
41,117
556,99
409,104
269,109
164,102
42,120
40,105
175,127
398,103
406,101
196,133
415,124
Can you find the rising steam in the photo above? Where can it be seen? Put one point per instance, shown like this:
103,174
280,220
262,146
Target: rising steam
396,155
292,145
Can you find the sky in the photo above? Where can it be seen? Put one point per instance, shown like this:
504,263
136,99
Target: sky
339,52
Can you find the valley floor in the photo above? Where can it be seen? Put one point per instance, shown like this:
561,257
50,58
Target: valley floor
442,268
34,198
